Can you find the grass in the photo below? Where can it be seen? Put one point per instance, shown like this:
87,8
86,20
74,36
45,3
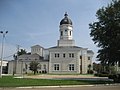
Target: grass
9,81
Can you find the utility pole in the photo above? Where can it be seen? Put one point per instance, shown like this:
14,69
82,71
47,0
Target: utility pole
18,47
2,49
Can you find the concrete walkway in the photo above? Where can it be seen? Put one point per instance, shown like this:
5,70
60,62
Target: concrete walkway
71,77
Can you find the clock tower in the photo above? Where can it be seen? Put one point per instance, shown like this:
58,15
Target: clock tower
66,32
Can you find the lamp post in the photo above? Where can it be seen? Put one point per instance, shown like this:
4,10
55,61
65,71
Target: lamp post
3,36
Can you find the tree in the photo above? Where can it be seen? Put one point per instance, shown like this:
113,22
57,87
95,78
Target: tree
34,66
97,67
89,69
89,66
21,52
106,33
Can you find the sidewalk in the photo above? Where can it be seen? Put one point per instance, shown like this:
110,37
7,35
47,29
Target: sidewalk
71,77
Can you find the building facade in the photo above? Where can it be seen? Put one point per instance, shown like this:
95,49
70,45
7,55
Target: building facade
65,58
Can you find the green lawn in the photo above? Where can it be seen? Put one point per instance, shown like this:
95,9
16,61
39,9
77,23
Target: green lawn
9,81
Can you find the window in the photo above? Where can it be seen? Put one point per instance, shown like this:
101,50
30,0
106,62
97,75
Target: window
56,55
40,66
61,33
80,57
44,66
70,33
71,55
64,55
88,58
71,67
56,67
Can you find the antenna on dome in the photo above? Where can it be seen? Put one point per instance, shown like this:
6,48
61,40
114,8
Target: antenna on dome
66,14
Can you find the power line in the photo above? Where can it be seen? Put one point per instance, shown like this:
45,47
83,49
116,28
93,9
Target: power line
9,56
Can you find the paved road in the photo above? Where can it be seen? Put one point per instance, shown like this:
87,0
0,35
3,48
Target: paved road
117,87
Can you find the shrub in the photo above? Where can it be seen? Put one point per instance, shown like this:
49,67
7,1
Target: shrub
96,74
111,76
101,75
115,77
90,71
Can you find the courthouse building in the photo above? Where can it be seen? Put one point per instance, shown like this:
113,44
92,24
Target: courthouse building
64,58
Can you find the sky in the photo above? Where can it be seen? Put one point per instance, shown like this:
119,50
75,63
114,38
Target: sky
36,22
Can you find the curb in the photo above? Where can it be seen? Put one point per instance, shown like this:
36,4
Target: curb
65,86
61,86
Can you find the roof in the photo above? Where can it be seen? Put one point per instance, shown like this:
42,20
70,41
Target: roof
30,57
66,20
90,51
65,47
36,46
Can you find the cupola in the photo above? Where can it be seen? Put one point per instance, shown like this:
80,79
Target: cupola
66,20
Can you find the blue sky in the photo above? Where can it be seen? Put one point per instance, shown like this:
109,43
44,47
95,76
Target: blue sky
31,22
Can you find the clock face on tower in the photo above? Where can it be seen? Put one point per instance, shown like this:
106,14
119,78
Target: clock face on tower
66,30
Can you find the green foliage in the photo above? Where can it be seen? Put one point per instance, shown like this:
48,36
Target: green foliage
106,32
21,52
115,77
102,75
90,71
34,66
101,68
89,66
97,67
